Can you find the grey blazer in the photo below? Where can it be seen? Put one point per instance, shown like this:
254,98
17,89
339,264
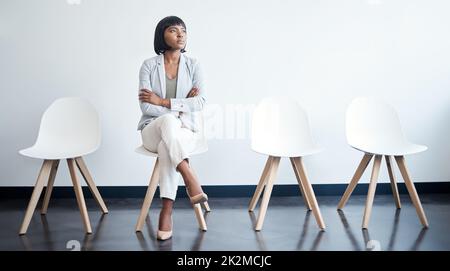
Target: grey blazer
152,76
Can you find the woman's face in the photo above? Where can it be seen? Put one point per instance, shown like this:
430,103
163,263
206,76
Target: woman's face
175,37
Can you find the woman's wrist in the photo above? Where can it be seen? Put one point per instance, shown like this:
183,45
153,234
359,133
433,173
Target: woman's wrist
165,103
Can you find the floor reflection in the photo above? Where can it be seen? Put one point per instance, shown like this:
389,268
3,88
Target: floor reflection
419,239
258,234
157,245
348,231
47,232
394,230
26,243
167,245
49,240
390,232
303,235
90,239
198,241
374,244
47,236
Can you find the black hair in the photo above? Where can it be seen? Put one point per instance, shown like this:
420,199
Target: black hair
159,43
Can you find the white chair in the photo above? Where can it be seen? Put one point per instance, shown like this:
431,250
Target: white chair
373,127
69,129
202,147
280,128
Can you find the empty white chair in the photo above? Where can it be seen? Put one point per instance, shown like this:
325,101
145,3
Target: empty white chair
373,127
280,128
201,147
69,129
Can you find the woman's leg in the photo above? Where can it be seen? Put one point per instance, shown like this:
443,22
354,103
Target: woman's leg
179,142
190,179
173,143
169,177
155,137
165,216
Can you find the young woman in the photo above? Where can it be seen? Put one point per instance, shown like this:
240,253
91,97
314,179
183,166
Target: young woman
171,90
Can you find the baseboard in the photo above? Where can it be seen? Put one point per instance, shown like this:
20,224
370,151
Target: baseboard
215,191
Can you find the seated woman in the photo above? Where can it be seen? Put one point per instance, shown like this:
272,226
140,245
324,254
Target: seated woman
170,92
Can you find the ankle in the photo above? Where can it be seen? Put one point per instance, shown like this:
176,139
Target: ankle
165,222
194,190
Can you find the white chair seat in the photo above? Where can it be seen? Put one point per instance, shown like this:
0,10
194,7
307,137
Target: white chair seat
289,153
41,152
398,149
142,150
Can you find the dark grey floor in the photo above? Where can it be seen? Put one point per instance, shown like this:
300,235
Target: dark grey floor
287,226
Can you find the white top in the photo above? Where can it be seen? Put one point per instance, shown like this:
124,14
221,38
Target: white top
171,87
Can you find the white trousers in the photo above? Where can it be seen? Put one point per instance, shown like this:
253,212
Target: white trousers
173,143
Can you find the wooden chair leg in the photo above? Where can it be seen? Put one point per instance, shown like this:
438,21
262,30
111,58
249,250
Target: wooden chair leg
393,181
300,184
411,190
371,192
48,191
309,191
43,176
206,206
267,192
79,195
148,196
200,218
261,184
90,182
351,186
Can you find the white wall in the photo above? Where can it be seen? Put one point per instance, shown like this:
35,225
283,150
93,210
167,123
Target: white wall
323,53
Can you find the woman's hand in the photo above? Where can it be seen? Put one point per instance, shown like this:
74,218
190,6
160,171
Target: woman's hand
148,96
193,92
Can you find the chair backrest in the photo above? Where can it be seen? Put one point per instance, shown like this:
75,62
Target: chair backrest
72,123
371,122
280,127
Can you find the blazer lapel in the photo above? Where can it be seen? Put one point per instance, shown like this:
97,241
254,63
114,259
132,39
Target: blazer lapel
162,75
181,77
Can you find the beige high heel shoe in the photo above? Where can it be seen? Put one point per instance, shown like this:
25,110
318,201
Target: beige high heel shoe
164,235
199,198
